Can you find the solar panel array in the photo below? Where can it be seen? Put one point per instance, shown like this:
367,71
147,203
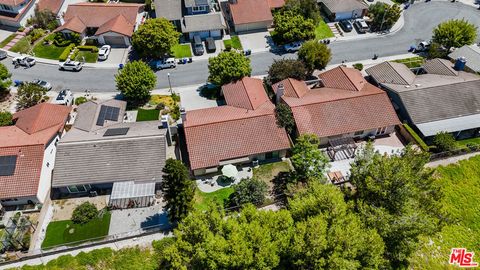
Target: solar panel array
115,131
7,165
107,113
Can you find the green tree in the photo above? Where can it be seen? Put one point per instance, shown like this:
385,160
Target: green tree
249,191
227,67
308,8
436,50
178,190
383,15
155,38
396,195
314,55
84,213
135,81
455,33
284,117
44,19
309,162
328,235
291,26
444,142
29,94
286,68
5,81
5,118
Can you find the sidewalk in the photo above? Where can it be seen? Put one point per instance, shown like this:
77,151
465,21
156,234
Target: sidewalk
55,62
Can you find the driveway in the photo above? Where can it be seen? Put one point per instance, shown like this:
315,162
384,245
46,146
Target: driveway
257,42
134,220
117,56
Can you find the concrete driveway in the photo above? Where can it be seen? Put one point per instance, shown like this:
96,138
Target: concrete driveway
257,42
117,56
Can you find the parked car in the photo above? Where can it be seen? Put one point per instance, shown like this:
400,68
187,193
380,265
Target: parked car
422,46
361,26
104,52
71,65
197,45
24,61
346,26
164,63
43,84
293,47
65,97
210,45
3,54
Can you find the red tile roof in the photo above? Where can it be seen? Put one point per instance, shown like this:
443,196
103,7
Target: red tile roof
250,11
11,3
52,5
24,182
292,88
247,93
276,3
41,116
343,78
74,24
118,25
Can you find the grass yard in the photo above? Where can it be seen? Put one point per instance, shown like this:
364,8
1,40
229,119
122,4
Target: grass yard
322,31
267,172
65,231
234,41
48,51
412,62
165,99
2,231
181,51
202,199
460,186
7,40
22,46
147,115
463,143
89,56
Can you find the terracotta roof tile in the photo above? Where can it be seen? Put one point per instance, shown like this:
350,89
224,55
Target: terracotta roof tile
276,3
292,88
74,24
119,25
247,93
52,5
41,116
11,3
249,11
24,182
343,78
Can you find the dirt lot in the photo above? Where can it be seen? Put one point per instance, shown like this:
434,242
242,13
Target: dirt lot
8,104
63,209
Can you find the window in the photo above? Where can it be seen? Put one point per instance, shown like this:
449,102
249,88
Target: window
358,133
381,131
78,188
199,8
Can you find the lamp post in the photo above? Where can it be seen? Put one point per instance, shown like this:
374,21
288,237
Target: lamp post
169,82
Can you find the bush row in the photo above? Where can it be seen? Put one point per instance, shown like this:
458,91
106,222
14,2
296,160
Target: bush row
417,138
93,49
63,57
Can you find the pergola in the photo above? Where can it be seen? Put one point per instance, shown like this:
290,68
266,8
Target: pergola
346,146
131,194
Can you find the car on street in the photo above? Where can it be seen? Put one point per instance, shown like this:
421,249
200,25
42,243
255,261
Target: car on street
43,84
293,47
422,46
104,52
70,65
3,54
25,61
164,63
346,26
210,45
198,46
361,26
65,97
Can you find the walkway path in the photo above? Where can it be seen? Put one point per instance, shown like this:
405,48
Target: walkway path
14,41
451,160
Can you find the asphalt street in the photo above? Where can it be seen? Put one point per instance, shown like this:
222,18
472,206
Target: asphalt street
420,20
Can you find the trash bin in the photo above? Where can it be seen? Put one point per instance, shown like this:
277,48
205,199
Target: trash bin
17,82
120,66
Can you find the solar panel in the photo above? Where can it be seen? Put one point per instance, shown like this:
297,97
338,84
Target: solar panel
7,165
115,131
107,113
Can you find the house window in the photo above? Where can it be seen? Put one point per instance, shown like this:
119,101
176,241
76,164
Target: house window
358,133
5,7
381,131
199,8
78,188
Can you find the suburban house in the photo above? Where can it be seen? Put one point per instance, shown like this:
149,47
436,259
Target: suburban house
337,10
104,153
471,55
15,12
343,105
27,153
440,98
112,23
204,25
242,131
250,15
52,5
170,10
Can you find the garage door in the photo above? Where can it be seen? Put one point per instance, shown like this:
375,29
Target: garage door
343,16
115,41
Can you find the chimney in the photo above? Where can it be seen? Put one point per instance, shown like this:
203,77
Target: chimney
280,92
183,114
166,125
460,63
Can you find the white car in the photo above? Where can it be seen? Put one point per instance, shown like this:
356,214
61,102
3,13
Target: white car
293,47
65,97
71,65
43,84
104,52
165,63
24,61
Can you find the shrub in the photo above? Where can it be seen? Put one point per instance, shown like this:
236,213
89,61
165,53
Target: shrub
92,49
36,34
5,118
21,29
84,213
80,100
74,54
160,106
63,57
228,47
417,138
249,191
62,41
175,112
175,97
358,66
444,142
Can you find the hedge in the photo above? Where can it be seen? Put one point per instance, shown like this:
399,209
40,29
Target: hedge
93,49
417,138
63,57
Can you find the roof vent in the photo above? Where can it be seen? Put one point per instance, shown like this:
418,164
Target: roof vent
407,86
417,85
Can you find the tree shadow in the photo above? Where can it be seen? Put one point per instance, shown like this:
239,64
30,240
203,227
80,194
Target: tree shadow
280,186
159,220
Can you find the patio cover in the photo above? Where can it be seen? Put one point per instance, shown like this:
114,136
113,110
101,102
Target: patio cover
129,194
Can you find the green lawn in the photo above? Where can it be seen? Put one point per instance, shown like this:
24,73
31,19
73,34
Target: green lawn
89,56
460,186
48,51
463,143
7,40
220,197
2,231
412,62
22,46
181,51
322,31
234,41
267,172
147,115
65,231
165,99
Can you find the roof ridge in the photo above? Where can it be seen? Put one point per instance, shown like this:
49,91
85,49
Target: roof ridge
342,68
235,119
345,98
394,69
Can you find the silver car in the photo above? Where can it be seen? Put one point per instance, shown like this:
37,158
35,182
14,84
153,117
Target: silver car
71,65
